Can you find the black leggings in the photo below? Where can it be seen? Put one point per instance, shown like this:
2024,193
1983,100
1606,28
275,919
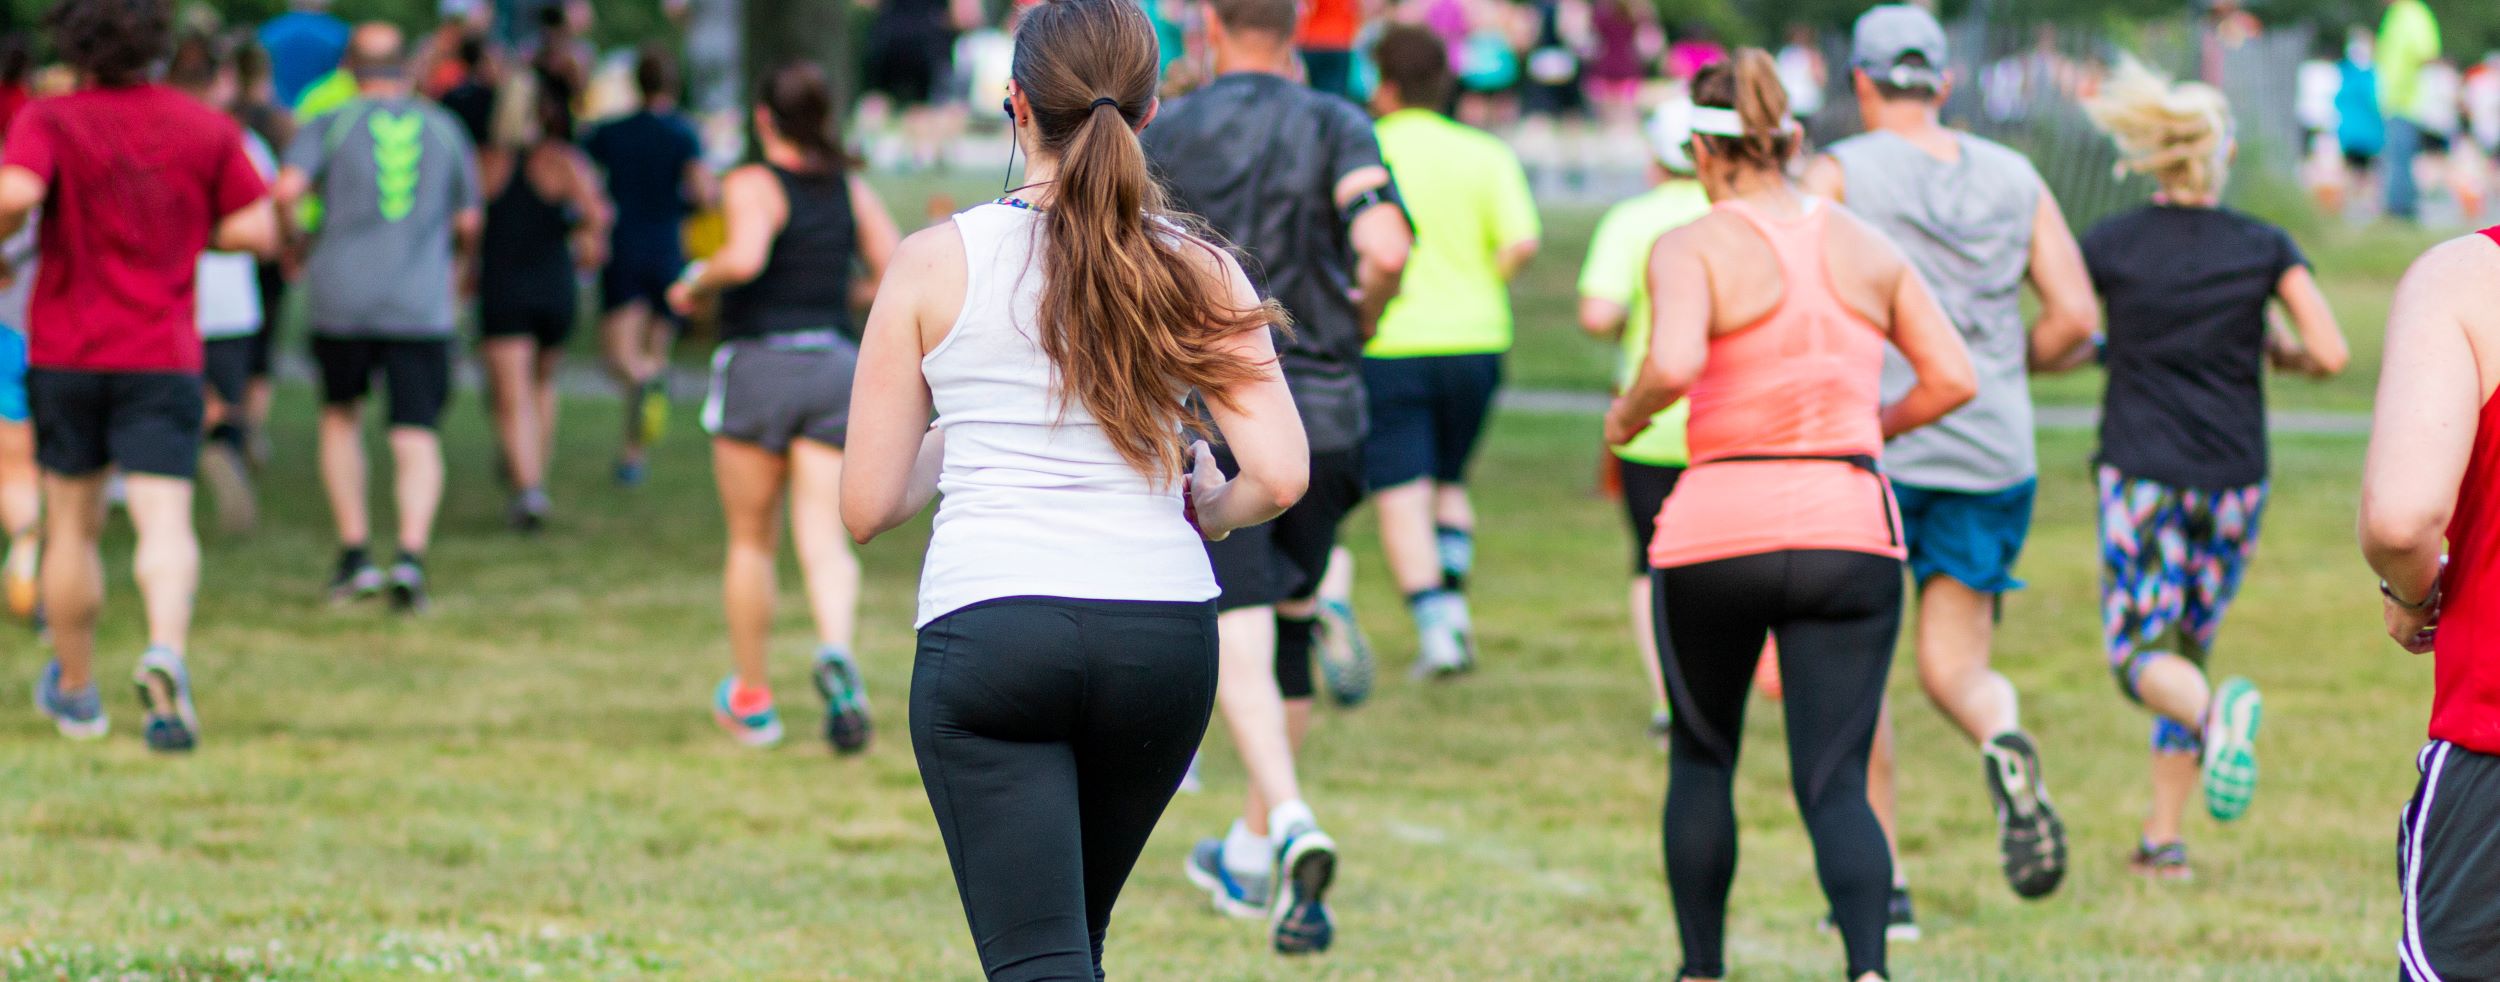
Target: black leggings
1835,615
1051,733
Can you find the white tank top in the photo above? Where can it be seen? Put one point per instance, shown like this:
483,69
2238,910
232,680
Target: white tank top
1036,501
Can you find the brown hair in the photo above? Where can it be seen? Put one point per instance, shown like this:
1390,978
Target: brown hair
655,72
1412,58
114,40
800,103
1275,18
1129,315
1749,83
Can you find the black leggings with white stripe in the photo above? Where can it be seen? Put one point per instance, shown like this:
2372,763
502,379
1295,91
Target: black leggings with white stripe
2448,865
1835,614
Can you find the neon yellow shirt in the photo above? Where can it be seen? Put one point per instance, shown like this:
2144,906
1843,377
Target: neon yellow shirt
2407,40
1617,272
1470,200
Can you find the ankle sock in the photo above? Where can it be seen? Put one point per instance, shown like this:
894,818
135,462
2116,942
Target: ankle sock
1288,817
1244,853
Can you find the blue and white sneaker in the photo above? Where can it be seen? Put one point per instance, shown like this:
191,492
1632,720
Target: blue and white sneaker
1458,554
847,726
747,715
78,715
1234,895
164,684
1306,863
1444,635
1345,654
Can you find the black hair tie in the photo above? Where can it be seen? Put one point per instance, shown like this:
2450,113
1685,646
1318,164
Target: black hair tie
1104,101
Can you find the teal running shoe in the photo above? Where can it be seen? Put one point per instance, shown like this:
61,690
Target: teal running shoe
2230,765
847,726
1345,654
747,715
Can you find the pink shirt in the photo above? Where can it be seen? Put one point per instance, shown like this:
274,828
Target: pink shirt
1804,381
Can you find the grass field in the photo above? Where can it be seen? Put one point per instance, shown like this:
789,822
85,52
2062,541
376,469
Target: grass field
524,784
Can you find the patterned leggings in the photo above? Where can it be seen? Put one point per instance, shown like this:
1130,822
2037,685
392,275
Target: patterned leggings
2171,560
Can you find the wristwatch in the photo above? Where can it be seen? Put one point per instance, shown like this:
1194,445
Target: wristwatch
2429,600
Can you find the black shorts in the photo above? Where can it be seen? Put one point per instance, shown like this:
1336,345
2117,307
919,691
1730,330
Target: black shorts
143,422
1645,490
417,370
228,368
549,322
2448,867
1426,415
627,281
272,309
1329,71
770,393
1284,559
913,67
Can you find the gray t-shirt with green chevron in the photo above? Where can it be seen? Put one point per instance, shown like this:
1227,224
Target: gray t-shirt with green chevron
392,176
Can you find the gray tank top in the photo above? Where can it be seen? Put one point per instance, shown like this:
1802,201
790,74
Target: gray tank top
1966,226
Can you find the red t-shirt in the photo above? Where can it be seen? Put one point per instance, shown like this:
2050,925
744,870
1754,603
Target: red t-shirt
137,180
2465,684
1330,25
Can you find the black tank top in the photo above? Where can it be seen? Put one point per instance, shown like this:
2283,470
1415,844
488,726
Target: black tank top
526,253
806,282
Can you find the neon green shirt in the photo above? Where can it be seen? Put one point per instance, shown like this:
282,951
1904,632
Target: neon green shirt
2407,40
1618,272
326,95
1470,199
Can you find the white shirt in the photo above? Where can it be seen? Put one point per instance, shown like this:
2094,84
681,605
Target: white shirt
229,282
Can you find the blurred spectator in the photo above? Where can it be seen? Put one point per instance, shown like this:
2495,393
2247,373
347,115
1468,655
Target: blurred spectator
2359,128
1558,34
1802,71
439,65
1696,48
2227,28
2408,40
2315,87
2482,102
1326,37
2042,75
1627,42
472,100
304,44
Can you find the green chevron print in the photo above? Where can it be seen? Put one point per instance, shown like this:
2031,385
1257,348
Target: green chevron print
398,144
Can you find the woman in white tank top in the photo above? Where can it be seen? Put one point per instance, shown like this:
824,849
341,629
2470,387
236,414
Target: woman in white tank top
1067,627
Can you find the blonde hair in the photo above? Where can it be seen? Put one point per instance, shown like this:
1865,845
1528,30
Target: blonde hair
514,124
2179,134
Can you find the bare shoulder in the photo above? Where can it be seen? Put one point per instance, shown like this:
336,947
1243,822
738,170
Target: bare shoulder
746,177
938,248
1853,235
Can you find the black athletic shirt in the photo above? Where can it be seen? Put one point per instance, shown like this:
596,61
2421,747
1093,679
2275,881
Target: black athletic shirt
525,256
1259,157
2186,290
806,281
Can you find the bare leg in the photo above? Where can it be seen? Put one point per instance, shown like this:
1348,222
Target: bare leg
825,555
1254,712
1451,508
73,571
750,479
417,485
167,565
21,484
1956,626
511,364
2175,780
2174,687
1406,535
343,472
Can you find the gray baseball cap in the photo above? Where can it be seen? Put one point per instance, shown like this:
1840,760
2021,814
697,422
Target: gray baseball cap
1886,36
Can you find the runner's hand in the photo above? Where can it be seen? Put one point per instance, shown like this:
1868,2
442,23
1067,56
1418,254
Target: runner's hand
1200,490
1620,431
2413,630
681,298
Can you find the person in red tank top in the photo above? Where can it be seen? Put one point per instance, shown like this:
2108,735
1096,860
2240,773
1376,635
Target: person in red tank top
2431,484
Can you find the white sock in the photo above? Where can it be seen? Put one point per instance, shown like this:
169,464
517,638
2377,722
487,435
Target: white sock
1246,853
1289,816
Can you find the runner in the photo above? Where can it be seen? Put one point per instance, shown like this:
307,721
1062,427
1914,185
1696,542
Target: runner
909,61
116,355
229,308
1326,37
304,44
21,481
256,105
1293,178
545,218
1431,371
780,402
1615,306
655,175
1067,644
2182,465
400,192
1772,312
1977,223
2426,527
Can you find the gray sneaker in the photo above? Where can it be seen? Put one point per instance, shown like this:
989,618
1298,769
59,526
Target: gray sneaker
78,715
1306,865
1234,894
1345,654
165,689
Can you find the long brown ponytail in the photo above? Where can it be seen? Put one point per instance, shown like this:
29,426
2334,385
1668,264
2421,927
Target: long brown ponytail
1130,315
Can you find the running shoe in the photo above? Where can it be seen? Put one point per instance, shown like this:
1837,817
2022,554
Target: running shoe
2230,765
24,570
357,580
408,594
229,479
78,715
651,410
527,512
847,726
1234,894
1900,919
1458,555
1345,654
747,715
1306,864
2029,834
1444,636
632,473
164,684
2168,861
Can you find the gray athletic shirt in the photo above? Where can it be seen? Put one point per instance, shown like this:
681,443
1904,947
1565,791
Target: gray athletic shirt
391,176
1966,227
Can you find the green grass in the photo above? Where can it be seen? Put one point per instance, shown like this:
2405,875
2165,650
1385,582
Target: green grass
525,785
